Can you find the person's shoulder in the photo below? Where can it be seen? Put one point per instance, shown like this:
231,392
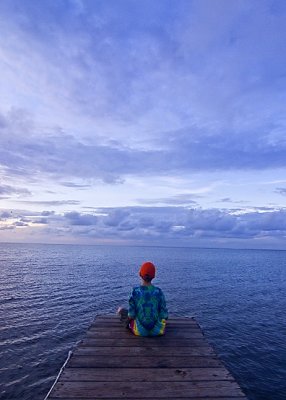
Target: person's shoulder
157,289
136,289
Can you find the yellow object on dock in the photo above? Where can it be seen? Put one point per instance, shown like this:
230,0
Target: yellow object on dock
111,363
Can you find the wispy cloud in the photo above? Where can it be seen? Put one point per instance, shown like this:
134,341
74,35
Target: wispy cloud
7,190
229,200
61,155
74,185
281,190
50,203
179,199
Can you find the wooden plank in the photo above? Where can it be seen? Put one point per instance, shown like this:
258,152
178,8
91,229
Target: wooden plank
145,374
120,325
131,337
115,317
161,398
101,334
147,390
190,321
162,342
144,351
123,331
170,324
143,362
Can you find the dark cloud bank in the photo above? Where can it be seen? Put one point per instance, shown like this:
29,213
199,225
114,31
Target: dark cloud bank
159,225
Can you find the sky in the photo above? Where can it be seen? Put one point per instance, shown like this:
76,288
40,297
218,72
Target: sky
143,122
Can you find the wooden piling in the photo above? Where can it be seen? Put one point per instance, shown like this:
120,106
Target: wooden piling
111,363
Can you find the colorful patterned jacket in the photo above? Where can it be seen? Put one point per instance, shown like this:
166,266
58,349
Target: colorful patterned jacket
147,307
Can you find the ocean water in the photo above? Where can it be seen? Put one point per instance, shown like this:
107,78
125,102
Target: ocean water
49,294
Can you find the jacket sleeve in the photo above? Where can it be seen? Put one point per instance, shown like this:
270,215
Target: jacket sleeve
163,311
132,306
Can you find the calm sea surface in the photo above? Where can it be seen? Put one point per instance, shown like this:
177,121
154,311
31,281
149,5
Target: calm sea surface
49,294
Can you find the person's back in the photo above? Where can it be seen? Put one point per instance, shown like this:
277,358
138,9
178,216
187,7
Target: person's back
147,310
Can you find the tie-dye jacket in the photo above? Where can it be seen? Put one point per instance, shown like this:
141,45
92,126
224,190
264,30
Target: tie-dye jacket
148,311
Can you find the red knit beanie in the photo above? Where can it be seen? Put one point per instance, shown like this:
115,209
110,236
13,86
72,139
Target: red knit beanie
147,271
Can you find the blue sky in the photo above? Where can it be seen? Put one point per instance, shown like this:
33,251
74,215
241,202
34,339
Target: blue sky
142,122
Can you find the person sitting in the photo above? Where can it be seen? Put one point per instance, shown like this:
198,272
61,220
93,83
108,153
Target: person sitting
147,312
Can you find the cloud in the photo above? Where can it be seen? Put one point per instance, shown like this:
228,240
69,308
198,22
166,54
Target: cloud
20,223
179,199
41,221
60,155
224,151
157,225
281,191
74,185
51,203
10,190
47,213
144,74
225,200
25,216
229,200
265,208
75,218
177,223
116,217
5,215
6,227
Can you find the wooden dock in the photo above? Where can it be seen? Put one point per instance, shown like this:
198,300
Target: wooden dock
111,363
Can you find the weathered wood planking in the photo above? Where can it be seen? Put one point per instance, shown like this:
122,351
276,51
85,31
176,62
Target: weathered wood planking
146,374
111,363
141,351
